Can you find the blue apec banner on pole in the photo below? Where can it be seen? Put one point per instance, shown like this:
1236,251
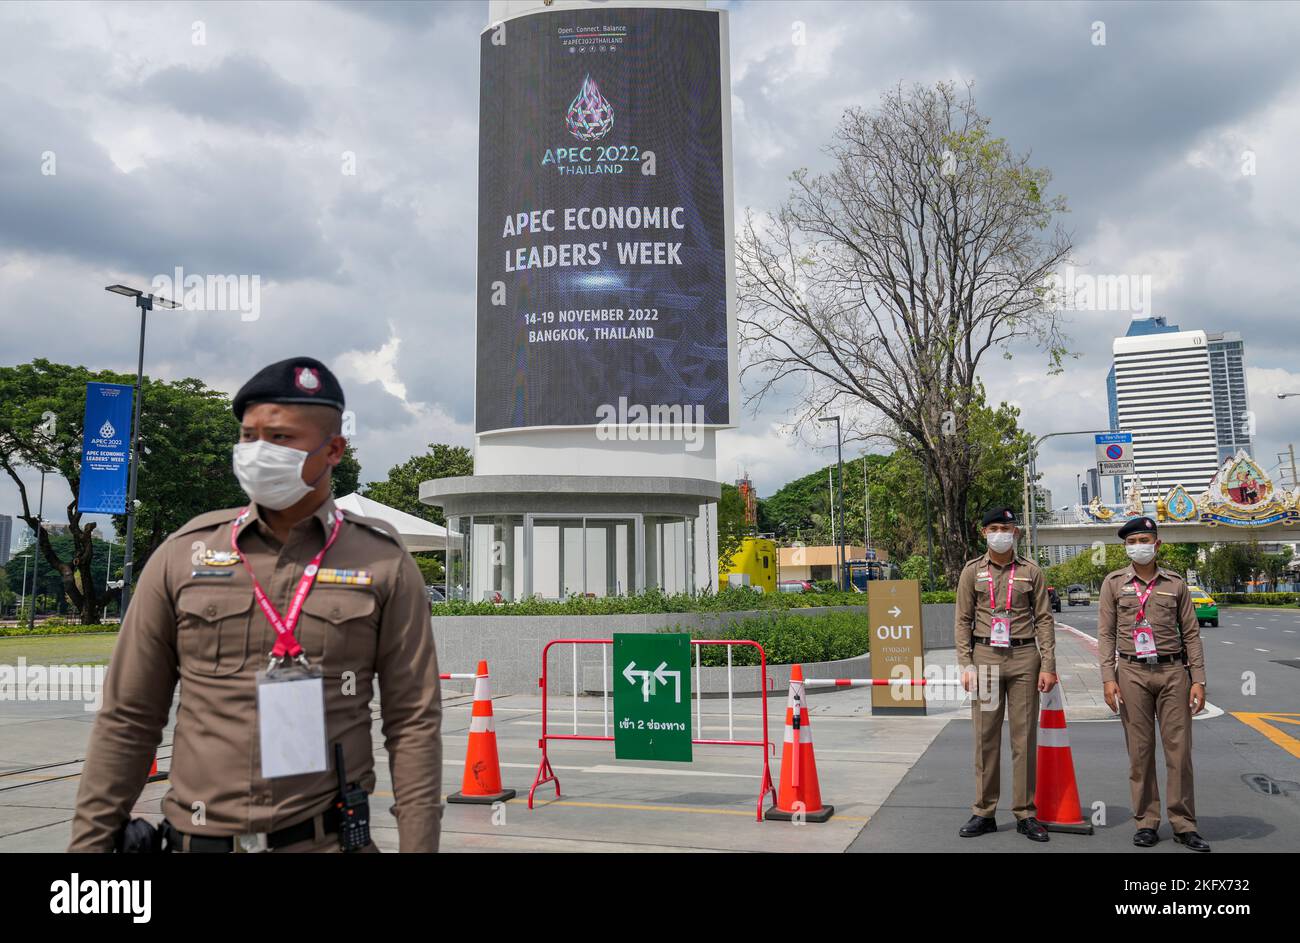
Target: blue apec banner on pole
105,447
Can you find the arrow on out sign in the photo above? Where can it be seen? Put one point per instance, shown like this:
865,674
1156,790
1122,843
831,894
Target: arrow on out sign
895,612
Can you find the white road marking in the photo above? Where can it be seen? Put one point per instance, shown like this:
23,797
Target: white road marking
1226,642
1264,650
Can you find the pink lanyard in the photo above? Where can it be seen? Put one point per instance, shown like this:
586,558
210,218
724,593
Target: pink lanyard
993,603
285,643
1142,599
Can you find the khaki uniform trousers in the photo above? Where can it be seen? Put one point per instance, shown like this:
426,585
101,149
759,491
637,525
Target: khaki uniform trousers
1151,693
1008,683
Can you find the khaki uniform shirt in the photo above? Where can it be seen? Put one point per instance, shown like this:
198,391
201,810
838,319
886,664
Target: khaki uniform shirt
1031,609
1169,609
193,619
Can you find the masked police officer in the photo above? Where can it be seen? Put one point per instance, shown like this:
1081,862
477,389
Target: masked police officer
277,617
1006,646
1153,669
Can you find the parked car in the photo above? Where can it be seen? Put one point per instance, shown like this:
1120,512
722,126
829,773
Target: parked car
1077,595
436,594
1207,610
795,586
1054,598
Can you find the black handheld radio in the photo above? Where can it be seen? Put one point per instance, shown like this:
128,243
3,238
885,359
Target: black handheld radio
353,806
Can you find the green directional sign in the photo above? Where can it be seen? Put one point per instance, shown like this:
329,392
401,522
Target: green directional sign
652,696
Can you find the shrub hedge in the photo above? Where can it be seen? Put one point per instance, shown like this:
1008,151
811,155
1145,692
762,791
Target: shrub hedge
1258,599
727,600
788,638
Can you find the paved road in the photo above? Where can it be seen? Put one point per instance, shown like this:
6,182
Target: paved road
1252,659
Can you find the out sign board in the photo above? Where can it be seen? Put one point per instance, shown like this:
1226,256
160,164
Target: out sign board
1115,453
897,645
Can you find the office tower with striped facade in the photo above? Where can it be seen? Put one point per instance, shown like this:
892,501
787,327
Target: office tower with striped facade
1164,395
1231,398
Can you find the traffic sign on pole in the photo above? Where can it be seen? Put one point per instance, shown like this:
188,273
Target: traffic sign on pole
1115,453
652,696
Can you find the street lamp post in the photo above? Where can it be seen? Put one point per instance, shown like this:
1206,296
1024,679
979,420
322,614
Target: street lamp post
145,303
839,487
1033,485
36,553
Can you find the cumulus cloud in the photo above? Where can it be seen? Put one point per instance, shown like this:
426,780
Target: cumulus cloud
231,157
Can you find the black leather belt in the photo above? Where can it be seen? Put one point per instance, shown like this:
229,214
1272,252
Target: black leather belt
1157,660
289,835
1012,642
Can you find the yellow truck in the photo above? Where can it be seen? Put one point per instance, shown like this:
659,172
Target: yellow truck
754,565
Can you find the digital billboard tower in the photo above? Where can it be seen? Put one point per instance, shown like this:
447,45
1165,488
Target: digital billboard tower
605,308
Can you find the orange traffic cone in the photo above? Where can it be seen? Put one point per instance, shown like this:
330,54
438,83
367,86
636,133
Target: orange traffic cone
154,775
800,793
1057,795
482,782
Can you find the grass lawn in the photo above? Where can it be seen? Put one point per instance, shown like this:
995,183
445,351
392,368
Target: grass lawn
58,649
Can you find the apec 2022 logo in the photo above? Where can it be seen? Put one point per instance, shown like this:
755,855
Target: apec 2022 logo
590,118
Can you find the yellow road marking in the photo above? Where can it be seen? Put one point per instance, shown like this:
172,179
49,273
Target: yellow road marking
1262,723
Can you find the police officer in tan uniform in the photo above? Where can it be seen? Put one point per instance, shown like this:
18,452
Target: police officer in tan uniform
1153,669
288,589
1006,646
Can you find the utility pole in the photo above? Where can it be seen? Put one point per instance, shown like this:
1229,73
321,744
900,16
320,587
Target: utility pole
929,535
866,507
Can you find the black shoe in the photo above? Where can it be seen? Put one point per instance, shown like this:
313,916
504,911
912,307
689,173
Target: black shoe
1145,837
1192,841
978,825
1035,829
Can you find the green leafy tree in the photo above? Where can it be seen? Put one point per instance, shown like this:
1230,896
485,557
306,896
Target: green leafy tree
732,528
401,489
186,433
347,473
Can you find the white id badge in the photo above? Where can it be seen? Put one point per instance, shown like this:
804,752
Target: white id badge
291,721
1000,632
1144,640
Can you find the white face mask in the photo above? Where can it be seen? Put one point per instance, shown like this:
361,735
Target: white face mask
1140,553
1000,541
270,474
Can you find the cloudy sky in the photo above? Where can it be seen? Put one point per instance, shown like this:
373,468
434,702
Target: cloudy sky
215,137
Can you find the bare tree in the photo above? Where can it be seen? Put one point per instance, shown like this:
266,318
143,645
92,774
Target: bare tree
879,286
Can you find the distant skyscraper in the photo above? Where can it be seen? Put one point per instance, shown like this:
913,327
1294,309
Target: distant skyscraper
1231,399
1164,396
1092,483
6,535
1138,327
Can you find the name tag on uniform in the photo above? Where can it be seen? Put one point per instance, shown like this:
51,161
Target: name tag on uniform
1144,640
1000,632
291,721
345,577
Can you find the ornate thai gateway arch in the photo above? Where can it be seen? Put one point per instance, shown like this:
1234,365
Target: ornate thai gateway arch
1241,502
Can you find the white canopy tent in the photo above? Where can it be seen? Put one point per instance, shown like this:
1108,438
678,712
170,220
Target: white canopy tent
417,534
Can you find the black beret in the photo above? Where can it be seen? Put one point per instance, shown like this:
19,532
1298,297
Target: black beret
1138,525
1003,515
296,380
